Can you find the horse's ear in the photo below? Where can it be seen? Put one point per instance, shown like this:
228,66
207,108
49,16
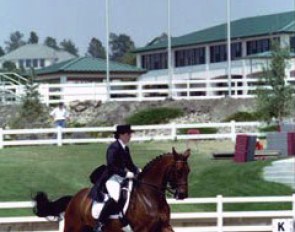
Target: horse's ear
174,153
187,153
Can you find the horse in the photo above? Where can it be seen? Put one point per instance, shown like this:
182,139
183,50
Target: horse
148,210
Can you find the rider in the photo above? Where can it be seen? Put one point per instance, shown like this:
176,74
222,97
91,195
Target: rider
120,166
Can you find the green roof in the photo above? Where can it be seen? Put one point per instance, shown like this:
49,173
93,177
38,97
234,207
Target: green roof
88,64
242,28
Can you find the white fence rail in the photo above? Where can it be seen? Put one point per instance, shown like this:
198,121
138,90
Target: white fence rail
189,89
60,136
219,215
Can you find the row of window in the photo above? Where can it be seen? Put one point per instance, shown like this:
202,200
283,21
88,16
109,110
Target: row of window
218,53
31,63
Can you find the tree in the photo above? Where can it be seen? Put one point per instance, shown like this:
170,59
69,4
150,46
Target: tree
9,66
275,101
69,46
120,45
51,42
128,58
95,49
15,41
34,39
2,52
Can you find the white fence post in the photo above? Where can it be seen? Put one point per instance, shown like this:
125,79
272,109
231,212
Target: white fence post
173,131
233,130
139,89
219,213
59,136
1,138
61,225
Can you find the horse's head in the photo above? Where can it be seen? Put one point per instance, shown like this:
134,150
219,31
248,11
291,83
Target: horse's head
178,174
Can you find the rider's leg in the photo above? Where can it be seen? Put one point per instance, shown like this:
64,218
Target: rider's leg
113,188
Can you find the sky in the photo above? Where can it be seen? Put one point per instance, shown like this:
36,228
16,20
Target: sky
81,20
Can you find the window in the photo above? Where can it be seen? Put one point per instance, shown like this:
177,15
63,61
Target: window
292,44
236,50
218,53
258,46
188,57
21,63
42,62
154,61
28,63
35,63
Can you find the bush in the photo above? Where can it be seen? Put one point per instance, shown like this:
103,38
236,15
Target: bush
205,130
270,128
242,117
154,116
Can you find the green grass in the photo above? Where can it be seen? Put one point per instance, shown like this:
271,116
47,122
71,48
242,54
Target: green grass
65,170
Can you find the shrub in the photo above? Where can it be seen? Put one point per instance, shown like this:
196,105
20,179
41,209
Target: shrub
242,117
269,128
205,130
154,116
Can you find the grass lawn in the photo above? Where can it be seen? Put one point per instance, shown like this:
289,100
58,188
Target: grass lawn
65,170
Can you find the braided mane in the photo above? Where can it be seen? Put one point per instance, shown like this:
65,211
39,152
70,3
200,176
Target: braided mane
151,163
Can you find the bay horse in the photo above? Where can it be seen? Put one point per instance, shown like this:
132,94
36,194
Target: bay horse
148,209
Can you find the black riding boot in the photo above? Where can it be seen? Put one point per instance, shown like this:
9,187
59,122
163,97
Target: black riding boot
109,208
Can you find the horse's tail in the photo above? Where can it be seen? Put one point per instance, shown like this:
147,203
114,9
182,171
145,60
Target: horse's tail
44,207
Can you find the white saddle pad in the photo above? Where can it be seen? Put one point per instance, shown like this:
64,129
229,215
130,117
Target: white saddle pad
98,206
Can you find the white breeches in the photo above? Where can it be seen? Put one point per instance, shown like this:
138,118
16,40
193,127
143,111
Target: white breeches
113,186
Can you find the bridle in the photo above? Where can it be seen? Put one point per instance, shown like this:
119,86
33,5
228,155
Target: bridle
173,185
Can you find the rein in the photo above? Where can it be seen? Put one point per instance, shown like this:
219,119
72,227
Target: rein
162,190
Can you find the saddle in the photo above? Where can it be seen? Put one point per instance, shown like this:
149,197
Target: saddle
123,203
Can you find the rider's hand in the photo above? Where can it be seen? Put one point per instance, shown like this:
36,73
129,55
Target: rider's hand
129,175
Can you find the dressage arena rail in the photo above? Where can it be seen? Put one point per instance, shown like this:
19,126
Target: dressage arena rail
188,88
218,216
59,136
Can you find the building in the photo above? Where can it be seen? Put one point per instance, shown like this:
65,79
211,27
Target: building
35,56
84,78
202,55
87,70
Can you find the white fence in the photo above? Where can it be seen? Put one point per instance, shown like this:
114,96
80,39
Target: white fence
219,216
60,136
140,90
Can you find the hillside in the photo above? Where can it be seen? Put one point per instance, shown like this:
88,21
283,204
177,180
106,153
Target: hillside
91,113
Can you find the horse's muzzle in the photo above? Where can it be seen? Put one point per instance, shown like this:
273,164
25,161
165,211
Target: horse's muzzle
180,195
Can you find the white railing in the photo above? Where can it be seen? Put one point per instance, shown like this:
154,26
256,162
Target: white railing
189,89
60,136
219,215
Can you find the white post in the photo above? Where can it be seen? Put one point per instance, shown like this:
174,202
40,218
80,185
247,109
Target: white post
139,89
61,225
233,130
107,50
173,131
59,136
228,47
293,207
219,214
169,49
1,138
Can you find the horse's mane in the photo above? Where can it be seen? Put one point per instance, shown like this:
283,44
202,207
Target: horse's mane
151,163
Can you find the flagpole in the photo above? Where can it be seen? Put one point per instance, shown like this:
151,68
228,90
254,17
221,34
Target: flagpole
228,14
107,51
169,49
